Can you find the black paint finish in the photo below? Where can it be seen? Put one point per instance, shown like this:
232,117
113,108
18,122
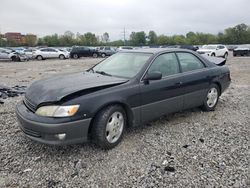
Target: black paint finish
142,100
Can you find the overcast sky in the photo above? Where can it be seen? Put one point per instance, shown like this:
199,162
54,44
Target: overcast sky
168,17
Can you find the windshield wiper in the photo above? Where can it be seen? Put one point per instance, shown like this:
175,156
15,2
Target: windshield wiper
103,73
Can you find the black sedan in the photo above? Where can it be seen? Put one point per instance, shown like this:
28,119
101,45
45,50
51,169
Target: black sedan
127,89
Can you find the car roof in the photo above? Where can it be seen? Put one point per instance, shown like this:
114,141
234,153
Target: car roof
155,50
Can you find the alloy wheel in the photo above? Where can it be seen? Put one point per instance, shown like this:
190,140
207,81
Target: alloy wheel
212,97
114,127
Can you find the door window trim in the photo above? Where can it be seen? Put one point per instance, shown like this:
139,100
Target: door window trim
205,66
152,61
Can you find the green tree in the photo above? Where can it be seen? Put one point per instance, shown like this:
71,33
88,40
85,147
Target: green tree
138,38
31,40
152,37
90,39
105,37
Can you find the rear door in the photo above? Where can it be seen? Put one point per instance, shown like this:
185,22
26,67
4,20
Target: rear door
195,79
163,96
53,53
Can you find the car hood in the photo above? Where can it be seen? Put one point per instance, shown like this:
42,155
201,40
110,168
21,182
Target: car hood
56,88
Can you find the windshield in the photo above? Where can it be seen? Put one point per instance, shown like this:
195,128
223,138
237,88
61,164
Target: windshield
210,47
122,64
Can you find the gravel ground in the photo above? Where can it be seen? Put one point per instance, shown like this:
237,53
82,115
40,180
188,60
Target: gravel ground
187,149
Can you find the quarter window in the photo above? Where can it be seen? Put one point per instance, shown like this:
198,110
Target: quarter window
189,62
167,64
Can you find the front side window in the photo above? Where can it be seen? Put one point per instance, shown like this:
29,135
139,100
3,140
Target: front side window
189,62
167,64
123,64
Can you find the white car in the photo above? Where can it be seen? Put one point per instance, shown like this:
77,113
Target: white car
8,54
46,53
216,50
28,52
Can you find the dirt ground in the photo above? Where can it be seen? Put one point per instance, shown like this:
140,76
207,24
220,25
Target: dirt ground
186,149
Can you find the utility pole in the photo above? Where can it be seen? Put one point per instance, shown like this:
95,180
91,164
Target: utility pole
124,36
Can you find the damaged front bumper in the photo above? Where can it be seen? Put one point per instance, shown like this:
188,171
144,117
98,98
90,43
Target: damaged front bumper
56,133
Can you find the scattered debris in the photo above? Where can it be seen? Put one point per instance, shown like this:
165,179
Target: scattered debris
185,146
27,170
169,169
15,91
201,140
53,183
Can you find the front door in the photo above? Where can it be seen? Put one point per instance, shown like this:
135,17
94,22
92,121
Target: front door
163,96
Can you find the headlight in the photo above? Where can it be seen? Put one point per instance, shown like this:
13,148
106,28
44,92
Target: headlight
57,111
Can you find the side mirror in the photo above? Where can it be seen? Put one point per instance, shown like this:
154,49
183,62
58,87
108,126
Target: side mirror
153,76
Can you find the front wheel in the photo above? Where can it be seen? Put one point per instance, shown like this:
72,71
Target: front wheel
108,126
211,98
226,55
103,55
75,56
213,54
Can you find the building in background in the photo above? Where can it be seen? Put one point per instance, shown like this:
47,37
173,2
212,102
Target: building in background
18,39
14,37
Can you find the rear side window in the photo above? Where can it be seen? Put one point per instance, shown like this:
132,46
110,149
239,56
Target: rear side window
189,62
167,64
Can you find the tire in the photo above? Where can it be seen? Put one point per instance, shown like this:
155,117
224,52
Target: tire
75,56
61,57
39,57
103,55
211,98
95,55
13,58
108,127
225,55
213,54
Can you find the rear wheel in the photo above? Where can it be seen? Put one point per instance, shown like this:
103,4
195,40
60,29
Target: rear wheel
211,98
103,55
213,54
108,126
61,56
39,57
95,55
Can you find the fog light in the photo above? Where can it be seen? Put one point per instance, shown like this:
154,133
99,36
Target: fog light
60,136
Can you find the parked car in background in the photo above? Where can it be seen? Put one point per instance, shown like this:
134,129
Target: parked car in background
189,47
8,54
125,48
106,51
65,50
83,51
243,50
127,89
28,52
214,50
47,53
